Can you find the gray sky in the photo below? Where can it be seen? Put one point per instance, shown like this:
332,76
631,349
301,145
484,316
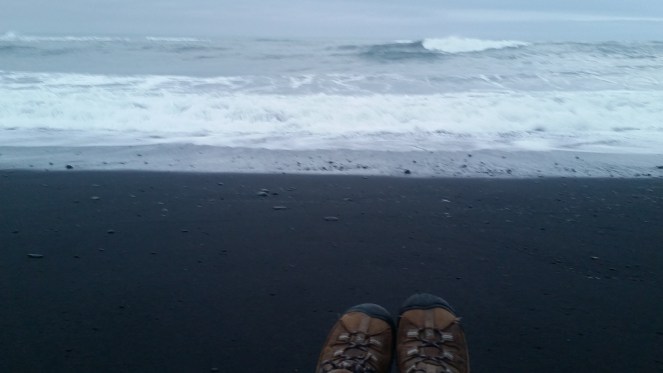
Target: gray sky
515,19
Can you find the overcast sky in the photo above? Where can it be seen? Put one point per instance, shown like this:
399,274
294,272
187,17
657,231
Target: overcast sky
515,19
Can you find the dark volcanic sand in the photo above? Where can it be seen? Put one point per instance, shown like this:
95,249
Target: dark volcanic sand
171,272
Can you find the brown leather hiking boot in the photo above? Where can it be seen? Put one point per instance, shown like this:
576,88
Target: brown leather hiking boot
430,338
360,341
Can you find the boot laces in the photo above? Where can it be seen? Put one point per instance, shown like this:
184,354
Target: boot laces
432,339
358,362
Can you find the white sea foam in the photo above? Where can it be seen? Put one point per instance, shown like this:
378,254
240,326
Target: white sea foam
14,36
9,36
151,109
454,44
175,39
17,37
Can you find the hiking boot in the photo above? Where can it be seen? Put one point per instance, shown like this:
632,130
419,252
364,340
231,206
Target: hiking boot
360,341
429,337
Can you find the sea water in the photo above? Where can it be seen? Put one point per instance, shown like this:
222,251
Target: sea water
436,94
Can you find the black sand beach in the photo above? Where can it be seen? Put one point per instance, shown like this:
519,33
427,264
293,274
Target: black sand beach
180,272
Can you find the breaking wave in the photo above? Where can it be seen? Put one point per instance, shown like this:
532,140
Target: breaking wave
455,44
49,109
175,39
16,37
432,48
12,36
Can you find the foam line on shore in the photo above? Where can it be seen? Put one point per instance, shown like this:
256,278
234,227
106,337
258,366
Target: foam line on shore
194,158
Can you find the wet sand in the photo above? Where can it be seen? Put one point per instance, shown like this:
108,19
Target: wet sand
182,272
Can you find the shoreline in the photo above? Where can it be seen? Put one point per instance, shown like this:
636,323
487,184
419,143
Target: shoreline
420,164
172,271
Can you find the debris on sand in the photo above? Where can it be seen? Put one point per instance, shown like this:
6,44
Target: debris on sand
35,256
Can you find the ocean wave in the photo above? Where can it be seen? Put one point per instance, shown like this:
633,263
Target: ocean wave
176,39
396,51
12,36
455,44
11,49
16,37
434,48
134,110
